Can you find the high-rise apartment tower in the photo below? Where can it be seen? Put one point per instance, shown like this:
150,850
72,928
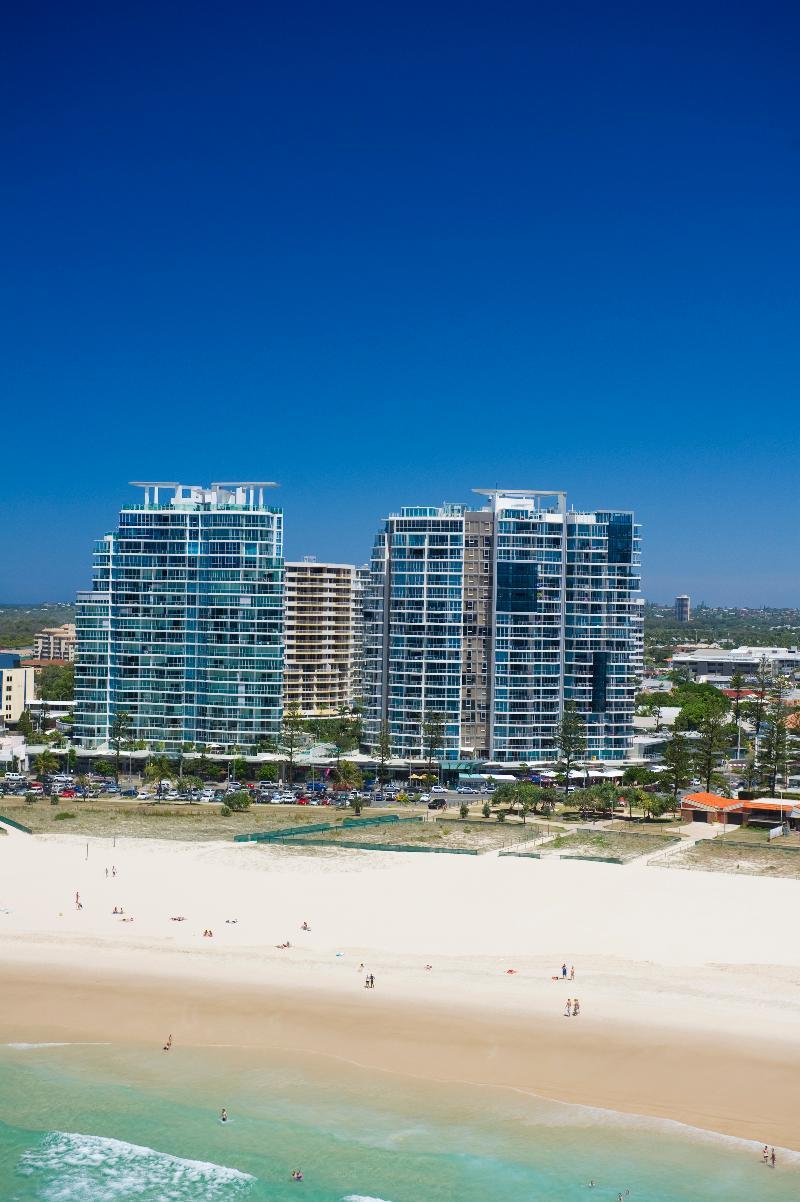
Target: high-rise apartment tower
322,629
183,628
683,608
490,621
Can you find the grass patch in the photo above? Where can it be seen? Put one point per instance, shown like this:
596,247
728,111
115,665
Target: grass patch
611,845
722,855
444,835
125,818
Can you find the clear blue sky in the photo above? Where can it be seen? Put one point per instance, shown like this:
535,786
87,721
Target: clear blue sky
383,254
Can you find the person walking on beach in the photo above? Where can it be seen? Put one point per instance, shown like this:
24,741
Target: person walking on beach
371,981
113,870
772,1158
168,1044
106,874
572,973
564,971
765,1154
77,901
576,1008
568,1008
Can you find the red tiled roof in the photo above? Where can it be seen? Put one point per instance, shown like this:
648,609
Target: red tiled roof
712,801
768,804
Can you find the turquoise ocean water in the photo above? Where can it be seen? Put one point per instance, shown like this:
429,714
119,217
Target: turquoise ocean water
95,1123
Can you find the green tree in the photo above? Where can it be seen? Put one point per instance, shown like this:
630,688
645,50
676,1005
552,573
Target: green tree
103,767
267,772
773,751
72,759
57,682
292,733
463,810
678,760
714,732
632,796
239,768
655,805
159,768
433,733
46,763
756,707
349,774
24,724
384,750
570,742
486,809
120,725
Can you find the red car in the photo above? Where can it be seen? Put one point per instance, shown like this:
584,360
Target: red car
302,801
68,793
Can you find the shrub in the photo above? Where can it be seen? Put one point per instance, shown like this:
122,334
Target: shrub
63,815
502,815
30,799
238,801
226,811
463,810
486,810
54,800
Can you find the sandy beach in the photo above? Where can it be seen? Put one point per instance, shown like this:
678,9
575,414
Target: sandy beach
687,981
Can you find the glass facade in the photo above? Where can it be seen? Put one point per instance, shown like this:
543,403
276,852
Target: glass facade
548,599
183,628
413,629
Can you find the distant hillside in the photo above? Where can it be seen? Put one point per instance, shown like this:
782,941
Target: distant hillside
19,623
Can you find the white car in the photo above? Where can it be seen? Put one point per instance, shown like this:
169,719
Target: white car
438,789
425,797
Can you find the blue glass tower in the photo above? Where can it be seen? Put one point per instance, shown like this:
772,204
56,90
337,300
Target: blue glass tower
183,628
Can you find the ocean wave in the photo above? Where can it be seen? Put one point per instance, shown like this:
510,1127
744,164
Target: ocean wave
362,1198
75,1168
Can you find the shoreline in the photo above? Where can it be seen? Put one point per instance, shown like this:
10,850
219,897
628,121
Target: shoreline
712,1085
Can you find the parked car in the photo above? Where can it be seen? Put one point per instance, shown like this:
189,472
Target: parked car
128,792
68,793
438,803
438,789
424,797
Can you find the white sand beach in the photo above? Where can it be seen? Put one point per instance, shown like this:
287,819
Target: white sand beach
688,981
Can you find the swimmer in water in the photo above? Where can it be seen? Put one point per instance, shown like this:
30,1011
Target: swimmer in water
224,1115
297,1175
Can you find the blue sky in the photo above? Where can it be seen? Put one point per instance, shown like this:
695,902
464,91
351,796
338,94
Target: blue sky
386,254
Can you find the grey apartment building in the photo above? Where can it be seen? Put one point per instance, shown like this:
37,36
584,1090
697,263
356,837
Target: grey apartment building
496,617
183,627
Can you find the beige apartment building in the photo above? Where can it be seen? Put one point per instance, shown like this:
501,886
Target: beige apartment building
56,642
322,633
16,691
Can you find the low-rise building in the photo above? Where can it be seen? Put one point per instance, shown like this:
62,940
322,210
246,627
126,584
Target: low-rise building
16,691
56,642
712,661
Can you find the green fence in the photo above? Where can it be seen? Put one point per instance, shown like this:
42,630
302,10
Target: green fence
17,825
283,832
353,845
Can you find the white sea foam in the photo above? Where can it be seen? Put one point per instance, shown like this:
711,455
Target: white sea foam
75,1168
30,1047
362,1198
